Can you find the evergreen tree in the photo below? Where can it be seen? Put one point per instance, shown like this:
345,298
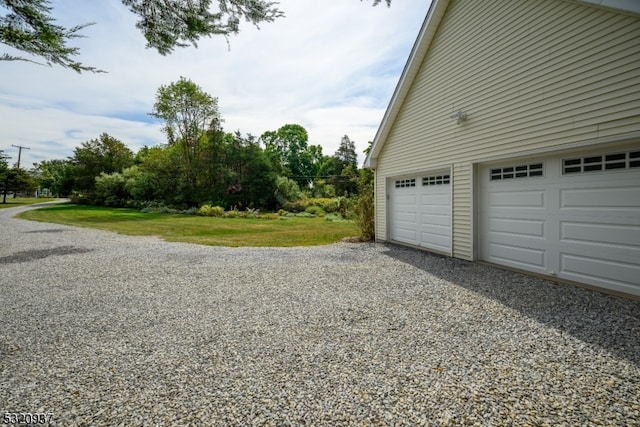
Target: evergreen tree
346,152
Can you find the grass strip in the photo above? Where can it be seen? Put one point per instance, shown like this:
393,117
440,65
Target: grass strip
211,231
21,201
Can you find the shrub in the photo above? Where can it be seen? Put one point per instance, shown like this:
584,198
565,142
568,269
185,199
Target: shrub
333,217
305,215
110,190
365,205
167,210
81,198
297,205
345,206
150,207
328,205
322,189
252,213
233,213
282,212
191,211
287,190
208,210
315,210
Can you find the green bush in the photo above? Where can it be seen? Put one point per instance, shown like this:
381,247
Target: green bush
296,205
167,210
208,210
81,198
287,190
282,212
322,189
329,205
190,211
305,215
365,206
333,217
233,213
110,190
315,210
251,213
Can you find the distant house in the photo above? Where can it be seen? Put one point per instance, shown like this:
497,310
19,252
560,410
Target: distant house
513,137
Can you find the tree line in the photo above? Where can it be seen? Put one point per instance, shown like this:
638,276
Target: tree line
201,163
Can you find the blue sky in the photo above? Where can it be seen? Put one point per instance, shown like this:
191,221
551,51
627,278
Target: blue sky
330,69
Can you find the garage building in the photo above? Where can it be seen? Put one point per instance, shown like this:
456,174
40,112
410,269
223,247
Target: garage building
513,137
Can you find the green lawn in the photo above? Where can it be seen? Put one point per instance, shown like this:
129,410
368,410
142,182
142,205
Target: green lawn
197,229
21,201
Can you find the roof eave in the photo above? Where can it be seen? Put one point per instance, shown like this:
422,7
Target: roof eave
623,6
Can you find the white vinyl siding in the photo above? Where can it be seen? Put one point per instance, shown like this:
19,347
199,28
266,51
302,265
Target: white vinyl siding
380,206
532,76
462,211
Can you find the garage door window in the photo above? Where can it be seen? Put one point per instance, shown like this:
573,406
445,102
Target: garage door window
603,162
403,183
436,180
517,171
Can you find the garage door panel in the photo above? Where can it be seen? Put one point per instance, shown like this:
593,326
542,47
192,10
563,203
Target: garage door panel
521,227
512,249
406,235
436,219
441,242
518,257
585,269
431,212
517,199
434,230
406,218
607,236
443,199
601,198
407,201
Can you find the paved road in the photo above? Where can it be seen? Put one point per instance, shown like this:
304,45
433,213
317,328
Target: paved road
103,329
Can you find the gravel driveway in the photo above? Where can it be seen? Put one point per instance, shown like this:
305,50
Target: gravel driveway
103,329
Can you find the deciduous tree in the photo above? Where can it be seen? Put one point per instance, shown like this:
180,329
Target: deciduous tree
189,113
16,179
105,154
55,175
289,148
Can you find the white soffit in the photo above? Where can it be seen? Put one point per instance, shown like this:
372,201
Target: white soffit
632,6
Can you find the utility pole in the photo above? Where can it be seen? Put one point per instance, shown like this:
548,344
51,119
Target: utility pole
20,147
6,179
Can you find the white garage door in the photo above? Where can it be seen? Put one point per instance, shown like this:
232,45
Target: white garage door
576,217
420,211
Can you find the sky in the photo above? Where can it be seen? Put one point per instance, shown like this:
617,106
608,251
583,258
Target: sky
331,69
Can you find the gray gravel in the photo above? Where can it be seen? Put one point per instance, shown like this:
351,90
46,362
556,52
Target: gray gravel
103,329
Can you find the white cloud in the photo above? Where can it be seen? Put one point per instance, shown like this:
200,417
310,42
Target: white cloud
331,69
